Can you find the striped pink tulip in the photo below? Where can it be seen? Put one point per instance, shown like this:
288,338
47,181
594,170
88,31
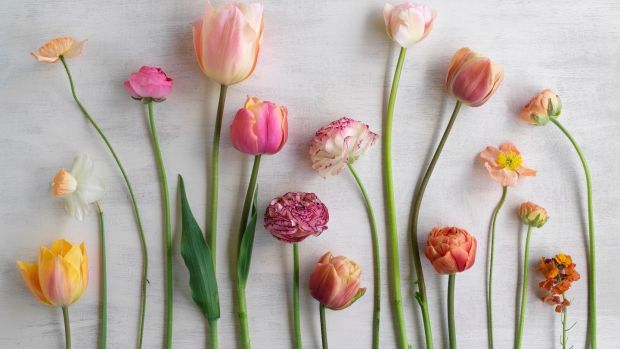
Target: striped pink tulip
335,282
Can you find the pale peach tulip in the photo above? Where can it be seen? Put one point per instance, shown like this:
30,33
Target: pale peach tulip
408,23
472,78
505,165
335,282
544,105
451,250
50,52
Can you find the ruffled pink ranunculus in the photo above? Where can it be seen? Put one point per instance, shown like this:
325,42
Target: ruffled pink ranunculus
450,250
260,127
340,143
149,82
505,165
227,41
293,217
472,78
335,282
408,23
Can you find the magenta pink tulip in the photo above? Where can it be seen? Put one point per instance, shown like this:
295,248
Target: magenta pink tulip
149,82
451,250
335,282
260,127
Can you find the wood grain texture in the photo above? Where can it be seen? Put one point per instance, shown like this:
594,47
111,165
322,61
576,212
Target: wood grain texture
322,59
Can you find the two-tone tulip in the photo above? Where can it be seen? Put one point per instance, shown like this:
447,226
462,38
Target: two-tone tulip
260,127
335,282
472,78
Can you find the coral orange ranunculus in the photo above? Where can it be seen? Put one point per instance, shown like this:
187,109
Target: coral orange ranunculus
505,165
451,250
50,52
532,214
541,107
472,78
335,282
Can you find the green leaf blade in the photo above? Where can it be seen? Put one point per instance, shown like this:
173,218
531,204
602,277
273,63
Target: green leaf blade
246,246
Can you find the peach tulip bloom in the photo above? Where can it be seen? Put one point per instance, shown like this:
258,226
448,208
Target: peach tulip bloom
51,51
505,164
451,250
408,23
544,105
335,282
472,78
227,41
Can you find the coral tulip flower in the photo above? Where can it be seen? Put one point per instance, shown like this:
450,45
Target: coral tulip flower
451,250
472,78
335,282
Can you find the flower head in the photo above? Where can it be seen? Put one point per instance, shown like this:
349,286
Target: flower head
472,78
260,127
532,214
60,276
50,52
505,165
408,23
559,272
293,217
335,282
340,143
451,250
79,187
149,82
544,105
227,41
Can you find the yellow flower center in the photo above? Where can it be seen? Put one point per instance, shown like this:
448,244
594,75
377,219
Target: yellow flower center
509,160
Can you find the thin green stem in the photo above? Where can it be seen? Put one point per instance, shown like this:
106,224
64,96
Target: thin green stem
417,203
65,316
451,322
522,305
168,229
323,326
390,207
213,334
592,241
564,329
134,203
490,275
296,310
241,299
215,160
376,259
104,280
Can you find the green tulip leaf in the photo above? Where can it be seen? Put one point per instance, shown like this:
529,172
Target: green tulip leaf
247,243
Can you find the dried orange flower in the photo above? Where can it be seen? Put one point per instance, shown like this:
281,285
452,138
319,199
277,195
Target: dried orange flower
559,273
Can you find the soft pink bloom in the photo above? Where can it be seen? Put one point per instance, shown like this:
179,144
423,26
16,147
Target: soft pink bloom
227,41
293,217
541,107
472,78
532,214
335,282
451,250
340,143
408,23
149,82
505,164
260,127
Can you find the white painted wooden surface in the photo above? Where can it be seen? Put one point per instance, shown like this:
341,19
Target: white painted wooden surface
322,59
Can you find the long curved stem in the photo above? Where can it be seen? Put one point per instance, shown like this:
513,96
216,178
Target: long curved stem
451,321
592,242
390,207
519,339
215,160
376,259
145,260
104,280
417,203
323,326
490,275
168,229
65,316
296,310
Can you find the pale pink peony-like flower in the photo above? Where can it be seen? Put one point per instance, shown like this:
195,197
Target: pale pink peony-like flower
340,143
505,165
541,107
149,82
451,250
472,78
335,282
293,217
260,127
408,23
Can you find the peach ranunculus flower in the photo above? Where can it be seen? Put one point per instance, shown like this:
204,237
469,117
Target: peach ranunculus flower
546,104
50,52
532,214
451,250
505,165
335,282
408,23
60,276
227,41
472,78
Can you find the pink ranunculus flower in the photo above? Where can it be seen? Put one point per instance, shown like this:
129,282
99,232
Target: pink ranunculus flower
293,217
340,143
505,165
546,104
149,82
335,282
408,23
451,250
260,127
227,41
472,78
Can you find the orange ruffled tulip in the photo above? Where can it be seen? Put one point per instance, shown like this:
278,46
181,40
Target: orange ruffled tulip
61,275
227,41
541,107
335,282
51,51
472,78
505,165
451,250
